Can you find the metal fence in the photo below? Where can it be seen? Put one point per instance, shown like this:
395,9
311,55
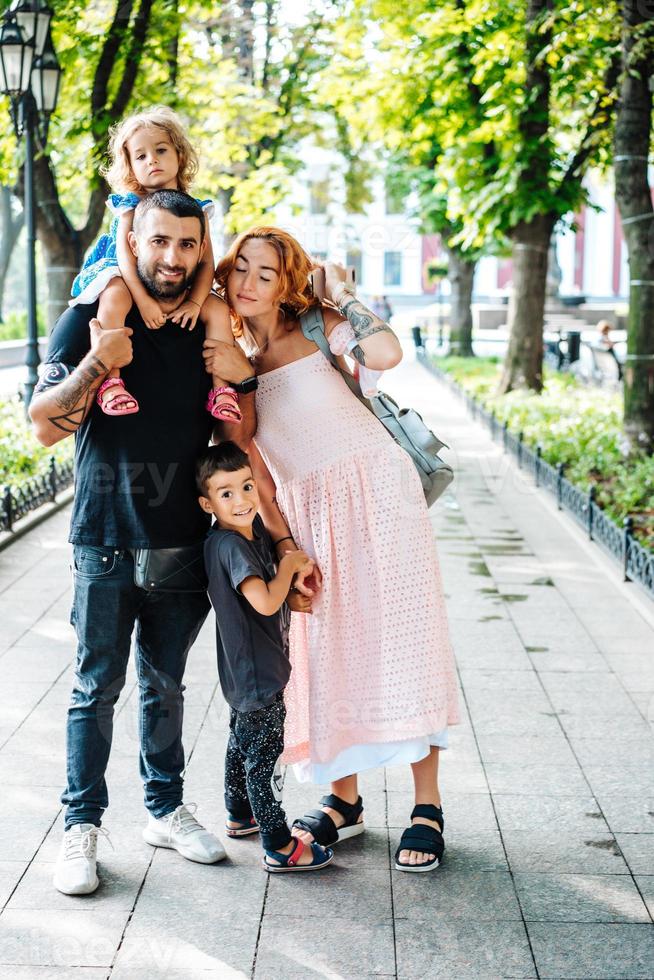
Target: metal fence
41,489
619,542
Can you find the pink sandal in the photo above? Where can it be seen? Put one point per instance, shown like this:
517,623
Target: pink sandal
227,409
121,397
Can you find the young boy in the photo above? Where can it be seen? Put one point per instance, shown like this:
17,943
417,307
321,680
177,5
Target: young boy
249,596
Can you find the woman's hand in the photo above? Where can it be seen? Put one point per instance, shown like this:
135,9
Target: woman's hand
309,581
335,275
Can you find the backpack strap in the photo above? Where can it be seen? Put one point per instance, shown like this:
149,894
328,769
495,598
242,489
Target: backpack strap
313,328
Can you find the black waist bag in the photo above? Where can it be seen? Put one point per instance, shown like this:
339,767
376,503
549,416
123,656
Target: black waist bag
171,569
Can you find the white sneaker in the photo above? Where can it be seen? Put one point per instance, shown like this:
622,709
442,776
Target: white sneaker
76,868
181,831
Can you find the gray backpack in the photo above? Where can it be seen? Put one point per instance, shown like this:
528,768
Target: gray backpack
404,424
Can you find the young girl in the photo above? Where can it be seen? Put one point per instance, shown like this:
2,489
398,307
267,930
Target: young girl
149,152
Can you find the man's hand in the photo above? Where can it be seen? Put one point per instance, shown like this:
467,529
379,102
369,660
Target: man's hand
297,602
226,361
186,315
112,347
152,314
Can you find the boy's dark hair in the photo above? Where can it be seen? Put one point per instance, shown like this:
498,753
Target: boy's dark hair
176,202
226,456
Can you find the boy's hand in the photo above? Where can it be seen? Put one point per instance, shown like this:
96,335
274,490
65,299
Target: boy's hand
296,561
297,602
152,314
187,314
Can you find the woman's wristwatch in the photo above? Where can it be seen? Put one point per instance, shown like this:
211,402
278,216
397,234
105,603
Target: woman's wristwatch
342,293
245,387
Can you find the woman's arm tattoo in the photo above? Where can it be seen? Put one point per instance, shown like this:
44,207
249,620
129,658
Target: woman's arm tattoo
364,323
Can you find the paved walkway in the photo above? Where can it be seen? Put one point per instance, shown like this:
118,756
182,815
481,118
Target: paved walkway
547,786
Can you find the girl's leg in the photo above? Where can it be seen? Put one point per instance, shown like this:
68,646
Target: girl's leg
114,305
425,779
346,789
215,316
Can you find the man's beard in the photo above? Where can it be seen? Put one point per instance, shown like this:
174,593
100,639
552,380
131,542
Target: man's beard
160,289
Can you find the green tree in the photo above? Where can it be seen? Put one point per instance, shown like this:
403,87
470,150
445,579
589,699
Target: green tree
634,195
547,71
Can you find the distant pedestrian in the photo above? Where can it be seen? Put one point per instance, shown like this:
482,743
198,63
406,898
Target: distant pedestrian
386,310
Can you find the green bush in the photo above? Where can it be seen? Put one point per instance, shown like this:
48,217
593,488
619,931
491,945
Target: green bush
576,425
21,456
14,325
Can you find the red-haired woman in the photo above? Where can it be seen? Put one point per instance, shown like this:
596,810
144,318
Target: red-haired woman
373,680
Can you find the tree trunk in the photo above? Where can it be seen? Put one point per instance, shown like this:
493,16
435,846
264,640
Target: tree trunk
632,145
461,273
9,231
63,245
523,366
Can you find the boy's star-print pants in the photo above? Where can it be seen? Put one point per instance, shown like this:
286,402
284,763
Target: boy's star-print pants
253,782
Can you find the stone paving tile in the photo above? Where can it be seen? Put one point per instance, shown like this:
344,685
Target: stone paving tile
468,812
483,896
553,850
626,779
120,880
534,779
340,891
60,938
443,949
184,941
468,852
583,950
59,973
638,851
329,949
646,886
10,874
553,750
569,815
594,752
629,815
579,898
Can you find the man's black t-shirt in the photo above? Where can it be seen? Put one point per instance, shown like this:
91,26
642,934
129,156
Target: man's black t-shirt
253,663
134,475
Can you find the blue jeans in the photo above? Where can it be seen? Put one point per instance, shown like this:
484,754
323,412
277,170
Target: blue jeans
106,607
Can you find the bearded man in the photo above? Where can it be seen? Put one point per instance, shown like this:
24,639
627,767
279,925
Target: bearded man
134,489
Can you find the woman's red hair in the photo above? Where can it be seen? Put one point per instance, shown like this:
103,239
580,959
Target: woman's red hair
295,265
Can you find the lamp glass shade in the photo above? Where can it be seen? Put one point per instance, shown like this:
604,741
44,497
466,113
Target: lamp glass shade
45,79
16,56
34,17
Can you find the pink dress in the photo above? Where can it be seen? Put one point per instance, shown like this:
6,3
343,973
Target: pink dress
373,679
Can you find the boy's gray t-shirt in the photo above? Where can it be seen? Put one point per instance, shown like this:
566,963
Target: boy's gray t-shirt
253,663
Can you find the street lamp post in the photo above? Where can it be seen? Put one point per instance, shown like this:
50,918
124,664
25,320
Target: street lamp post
29,75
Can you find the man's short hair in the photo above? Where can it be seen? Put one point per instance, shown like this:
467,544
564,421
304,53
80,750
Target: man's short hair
176,202
226,457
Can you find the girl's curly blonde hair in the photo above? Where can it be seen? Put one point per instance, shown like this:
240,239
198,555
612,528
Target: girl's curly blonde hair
119,173
295,265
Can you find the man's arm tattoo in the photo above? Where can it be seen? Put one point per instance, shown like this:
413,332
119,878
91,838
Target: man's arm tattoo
364,323
73,386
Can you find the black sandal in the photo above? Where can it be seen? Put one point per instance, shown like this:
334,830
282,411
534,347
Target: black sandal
422,838
323,829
